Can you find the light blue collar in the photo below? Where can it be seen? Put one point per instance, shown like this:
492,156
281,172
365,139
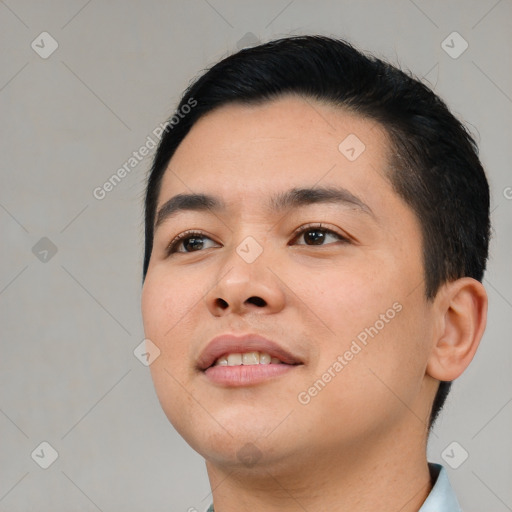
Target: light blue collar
441,497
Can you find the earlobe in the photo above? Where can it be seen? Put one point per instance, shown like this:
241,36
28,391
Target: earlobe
461,309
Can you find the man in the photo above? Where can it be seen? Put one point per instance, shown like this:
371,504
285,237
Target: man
317,229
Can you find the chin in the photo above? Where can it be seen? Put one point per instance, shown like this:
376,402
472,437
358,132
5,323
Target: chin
242,442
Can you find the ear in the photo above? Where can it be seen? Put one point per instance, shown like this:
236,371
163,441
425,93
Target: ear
461,316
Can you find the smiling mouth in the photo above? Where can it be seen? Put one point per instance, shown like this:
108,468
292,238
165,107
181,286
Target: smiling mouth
231,361
246,359
246,369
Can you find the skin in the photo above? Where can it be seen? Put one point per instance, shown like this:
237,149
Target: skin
361,440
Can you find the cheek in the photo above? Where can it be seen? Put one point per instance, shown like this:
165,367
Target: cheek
379,376
169,311
166,302
394,359
347,296
379,324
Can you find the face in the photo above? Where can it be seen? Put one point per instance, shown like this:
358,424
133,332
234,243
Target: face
333,279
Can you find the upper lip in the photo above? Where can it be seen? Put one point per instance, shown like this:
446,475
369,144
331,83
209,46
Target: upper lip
232,344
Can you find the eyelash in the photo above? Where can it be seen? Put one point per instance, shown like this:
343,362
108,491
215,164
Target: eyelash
171,248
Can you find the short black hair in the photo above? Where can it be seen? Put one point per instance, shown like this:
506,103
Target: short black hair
433,162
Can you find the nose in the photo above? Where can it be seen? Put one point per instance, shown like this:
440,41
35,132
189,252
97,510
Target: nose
246,285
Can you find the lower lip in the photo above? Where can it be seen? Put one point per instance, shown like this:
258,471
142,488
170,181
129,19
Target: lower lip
246,375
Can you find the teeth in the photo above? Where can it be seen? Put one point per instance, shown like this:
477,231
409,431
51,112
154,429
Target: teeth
264,358
234,359
248,358
251,358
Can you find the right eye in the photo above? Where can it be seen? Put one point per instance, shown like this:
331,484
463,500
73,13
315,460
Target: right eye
194,239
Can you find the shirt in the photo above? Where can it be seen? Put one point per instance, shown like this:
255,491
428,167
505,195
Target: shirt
440,499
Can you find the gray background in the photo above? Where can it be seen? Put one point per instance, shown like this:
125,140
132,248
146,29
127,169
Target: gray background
70,321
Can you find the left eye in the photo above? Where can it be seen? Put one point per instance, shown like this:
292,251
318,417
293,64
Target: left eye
194,241
317,235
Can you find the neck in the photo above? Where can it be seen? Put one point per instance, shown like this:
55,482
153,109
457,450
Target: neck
392,476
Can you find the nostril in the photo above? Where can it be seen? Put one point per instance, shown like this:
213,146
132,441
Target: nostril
222,303
258,301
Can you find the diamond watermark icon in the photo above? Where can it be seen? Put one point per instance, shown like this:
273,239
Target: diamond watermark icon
44,45
146,352
249,454
454,45
44,455
44,250
351,147
454,455
249,249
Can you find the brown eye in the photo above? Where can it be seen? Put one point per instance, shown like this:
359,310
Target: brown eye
190,241
317,235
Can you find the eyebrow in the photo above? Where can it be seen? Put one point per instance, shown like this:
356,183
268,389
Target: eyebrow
284,201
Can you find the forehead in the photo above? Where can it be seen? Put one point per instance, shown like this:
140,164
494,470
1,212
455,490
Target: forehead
246,151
